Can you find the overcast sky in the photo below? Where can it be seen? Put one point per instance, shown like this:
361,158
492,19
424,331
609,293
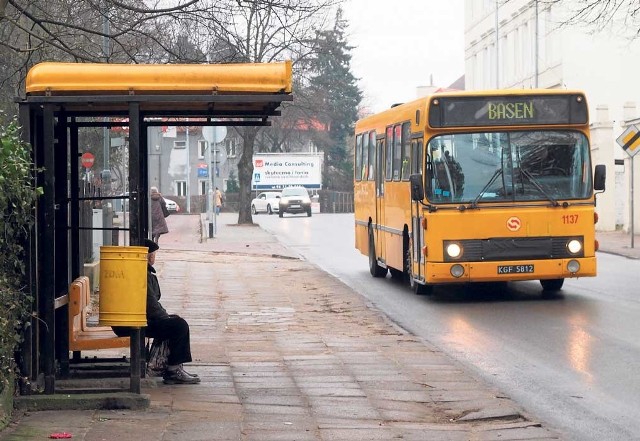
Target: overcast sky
400,44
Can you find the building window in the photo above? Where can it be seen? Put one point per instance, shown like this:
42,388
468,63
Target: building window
181,188
202,187
202,148
230,146
179,144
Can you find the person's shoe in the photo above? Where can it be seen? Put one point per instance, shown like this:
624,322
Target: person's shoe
179,376
188,373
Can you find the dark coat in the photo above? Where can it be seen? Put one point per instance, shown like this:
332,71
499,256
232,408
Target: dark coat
158,222
155,311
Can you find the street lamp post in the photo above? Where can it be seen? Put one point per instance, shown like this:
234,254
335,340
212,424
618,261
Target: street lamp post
188,189
105,176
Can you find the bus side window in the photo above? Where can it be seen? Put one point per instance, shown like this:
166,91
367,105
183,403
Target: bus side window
388,153
406,151
365,157
358,157
414,157
397,152
372,154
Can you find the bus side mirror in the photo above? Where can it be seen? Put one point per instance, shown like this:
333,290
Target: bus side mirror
417,190
600,177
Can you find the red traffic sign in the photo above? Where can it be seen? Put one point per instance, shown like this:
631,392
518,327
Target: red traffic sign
87,160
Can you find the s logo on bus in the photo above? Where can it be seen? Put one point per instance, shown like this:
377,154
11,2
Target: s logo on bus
514,223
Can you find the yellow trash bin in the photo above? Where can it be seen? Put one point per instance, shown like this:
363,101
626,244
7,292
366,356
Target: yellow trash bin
123,286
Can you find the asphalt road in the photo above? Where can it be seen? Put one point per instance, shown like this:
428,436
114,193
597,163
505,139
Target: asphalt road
571,360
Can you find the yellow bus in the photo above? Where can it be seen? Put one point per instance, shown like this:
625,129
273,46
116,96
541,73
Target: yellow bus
488,186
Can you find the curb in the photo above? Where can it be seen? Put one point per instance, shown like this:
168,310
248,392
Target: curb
117,400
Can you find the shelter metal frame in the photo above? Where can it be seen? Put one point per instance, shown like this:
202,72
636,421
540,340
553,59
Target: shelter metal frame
50,123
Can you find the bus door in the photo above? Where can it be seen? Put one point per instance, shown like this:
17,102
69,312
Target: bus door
379,213
417,237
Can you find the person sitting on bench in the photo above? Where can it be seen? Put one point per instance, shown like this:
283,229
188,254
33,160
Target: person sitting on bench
163,326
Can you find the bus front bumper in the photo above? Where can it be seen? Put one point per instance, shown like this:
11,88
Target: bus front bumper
510,270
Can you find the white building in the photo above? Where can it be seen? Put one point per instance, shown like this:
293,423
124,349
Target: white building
527,44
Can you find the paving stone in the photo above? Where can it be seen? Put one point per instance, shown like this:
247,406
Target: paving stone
287,352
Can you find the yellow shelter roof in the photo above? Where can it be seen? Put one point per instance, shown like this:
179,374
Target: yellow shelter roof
51,78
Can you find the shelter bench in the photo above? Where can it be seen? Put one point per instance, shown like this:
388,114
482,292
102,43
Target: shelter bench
83,337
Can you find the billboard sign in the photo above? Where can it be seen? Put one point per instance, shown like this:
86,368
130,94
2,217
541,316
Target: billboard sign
272,171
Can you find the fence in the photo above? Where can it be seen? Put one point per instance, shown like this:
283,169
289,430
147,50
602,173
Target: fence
335,201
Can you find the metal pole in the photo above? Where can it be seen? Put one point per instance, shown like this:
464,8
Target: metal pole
107,216
631,192
213,183
536,48
497,50
209,185
135,349
188,170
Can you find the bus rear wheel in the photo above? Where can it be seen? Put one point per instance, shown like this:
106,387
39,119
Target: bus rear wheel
374,268
552,284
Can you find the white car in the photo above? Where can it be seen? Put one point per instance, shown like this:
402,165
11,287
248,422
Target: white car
172,206
266,202
294,200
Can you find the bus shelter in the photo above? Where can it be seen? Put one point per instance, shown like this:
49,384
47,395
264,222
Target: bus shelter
63,98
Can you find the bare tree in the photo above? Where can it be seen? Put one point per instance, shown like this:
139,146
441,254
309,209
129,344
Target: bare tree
264,31
189,31
84,31
600,14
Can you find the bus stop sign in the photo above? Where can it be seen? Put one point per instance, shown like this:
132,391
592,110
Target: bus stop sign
630,140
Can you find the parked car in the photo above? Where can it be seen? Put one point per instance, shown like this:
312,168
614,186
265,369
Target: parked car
295,200
266,202
172,206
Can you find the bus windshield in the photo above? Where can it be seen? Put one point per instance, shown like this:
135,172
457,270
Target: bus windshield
527,165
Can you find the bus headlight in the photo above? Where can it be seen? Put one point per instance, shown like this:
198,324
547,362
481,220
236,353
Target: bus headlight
573,266
454,250
574,246
457,270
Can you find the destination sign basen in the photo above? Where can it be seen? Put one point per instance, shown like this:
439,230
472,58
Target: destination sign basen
505,111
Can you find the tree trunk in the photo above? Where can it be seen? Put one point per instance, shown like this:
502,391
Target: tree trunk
245,173
325,167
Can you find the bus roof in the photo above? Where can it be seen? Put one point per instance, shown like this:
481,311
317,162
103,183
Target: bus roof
408,111
89,78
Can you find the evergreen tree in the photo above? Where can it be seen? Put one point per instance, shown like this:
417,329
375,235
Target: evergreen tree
336,97
232,182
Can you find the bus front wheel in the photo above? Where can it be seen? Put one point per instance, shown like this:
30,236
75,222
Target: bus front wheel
552,284
418,288
374,268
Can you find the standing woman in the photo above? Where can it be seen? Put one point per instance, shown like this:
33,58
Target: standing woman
218,199
158,213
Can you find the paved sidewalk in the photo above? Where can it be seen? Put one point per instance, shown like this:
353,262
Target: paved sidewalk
287,352
619,242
